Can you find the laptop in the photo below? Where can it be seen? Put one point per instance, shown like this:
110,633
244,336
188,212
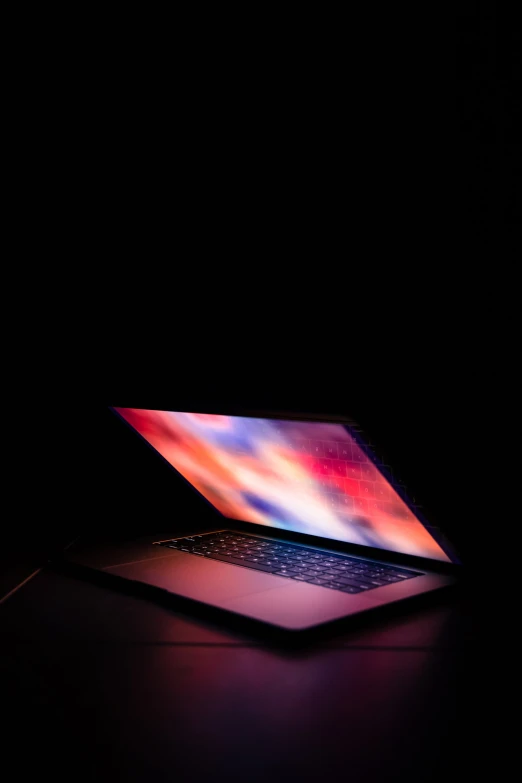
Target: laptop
310,528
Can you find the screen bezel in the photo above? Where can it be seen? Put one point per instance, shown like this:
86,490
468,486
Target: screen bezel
357,433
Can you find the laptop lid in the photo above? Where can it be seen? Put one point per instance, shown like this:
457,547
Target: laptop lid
310,476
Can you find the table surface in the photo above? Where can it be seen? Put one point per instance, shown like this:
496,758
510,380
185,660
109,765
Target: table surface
102,685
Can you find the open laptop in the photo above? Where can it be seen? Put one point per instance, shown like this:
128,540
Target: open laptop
309,527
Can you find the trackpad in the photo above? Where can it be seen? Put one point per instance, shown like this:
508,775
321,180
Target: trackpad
198,578
298,606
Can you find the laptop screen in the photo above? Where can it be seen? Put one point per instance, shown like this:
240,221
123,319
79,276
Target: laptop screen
305,476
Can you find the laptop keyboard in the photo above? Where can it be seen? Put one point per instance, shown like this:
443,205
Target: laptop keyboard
335,572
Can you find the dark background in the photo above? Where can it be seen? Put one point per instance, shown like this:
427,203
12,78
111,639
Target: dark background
329,245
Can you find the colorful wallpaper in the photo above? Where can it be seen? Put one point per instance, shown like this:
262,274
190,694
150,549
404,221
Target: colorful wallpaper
309,477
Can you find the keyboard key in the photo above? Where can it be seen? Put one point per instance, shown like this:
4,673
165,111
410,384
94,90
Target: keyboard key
354,583
362,506
344,451
317,581
352,590
381,490
339,468
367,489
351,487
325,482
353,470
330,449
283,573
368,472
336,484
317,448
361,577
316,469
326,467
300,578
302,446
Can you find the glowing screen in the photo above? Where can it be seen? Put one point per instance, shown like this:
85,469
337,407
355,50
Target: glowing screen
308,477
